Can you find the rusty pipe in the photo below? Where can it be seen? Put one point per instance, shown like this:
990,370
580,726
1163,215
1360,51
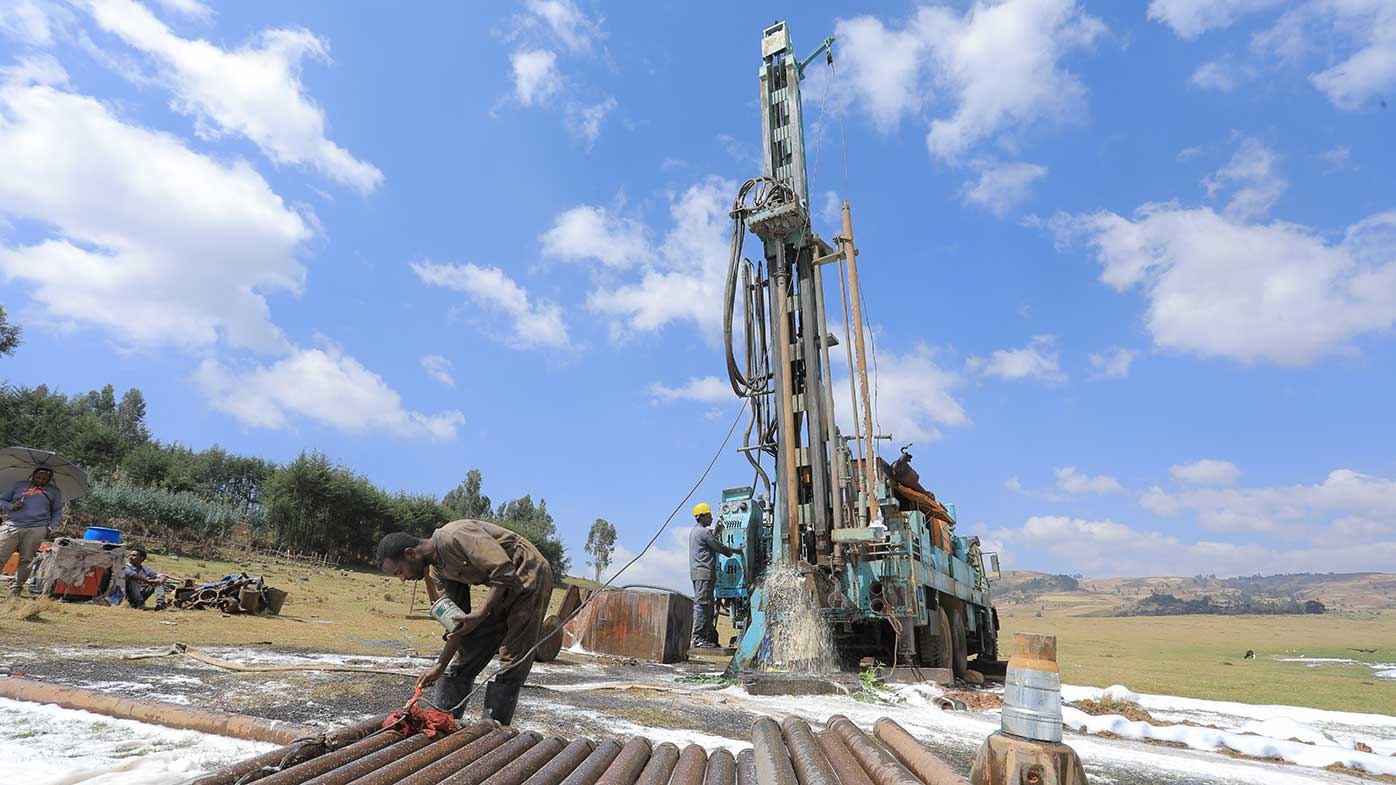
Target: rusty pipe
454,762
294,775
808,760
661,765
860,352
426,756
628,764
494,760
291,754
595,764
722,769
849,771
922,762
746,767
238,726
773,765
692,765
881,767
358,767
557,769
527,764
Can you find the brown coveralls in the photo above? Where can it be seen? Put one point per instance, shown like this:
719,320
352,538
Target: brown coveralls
476,553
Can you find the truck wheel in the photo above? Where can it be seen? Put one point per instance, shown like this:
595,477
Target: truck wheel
957,634
945,643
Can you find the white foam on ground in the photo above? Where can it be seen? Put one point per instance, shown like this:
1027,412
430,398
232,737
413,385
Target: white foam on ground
43,744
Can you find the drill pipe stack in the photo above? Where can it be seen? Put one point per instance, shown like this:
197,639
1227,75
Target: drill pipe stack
788,753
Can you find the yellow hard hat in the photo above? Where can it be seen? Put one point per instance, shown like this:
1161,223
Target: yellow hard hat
700,508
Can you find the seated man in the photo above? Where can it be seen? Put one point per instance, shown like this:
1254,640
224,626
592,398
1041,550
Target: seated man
469,553
142,582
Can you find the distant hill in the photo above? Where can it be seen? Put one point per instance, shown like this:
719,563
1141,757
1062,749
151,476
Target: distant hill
1081,596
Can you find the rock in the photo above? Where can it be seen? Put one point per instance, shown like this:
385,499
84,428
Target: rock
974,677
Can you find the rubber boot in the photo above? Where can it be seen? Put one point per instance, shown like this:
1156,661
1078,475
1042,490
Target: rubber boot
500,701
451,689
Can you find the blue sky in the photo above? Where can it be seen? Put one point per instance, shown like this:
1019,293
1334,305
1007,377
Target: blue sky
1131,267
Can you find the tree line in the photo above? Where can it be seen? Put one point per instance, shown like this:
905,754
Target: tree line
308,504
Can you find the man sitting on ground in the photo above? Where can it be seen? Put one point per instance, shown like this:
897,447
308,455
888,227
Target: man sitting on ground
465,553
142,582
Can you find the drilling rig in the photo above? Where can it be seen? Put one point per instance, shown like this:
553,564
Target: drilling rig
876,552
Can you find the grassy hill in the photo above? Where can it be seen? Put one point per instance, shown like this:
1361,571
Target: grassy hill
1340,592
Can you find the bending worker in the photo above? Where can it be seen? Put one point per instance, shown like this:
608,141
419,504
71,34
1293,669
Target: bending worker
703,547
469,553
35,507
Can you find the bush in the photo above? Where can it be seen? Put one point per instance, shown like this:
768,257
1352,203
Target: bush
179,512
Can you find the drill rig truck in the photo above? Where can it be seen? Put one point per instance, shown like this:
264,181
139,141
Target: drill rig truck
876,552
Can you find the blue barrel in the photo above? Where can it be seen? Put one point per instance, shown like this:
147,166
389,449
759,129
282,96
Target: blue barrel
102,534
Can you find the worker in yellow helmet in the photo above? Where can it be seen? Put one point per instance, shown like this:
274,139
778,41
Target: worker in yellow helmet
703,547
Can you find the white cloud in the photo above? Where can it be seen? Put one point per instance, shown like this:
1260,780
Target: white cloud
1251,171
1036,360
1218,287
665,564
173,249
28,21
1076,484
322,385
536,77
1157,501
685,274
536,324
1370,70
573,28
254,91
1290,510
587,233
190,8
1114,363
1001,187
1217,75
584,120
1337,159
1191,18
914,396
1106,548
439,368
705,389
1206,472
883,68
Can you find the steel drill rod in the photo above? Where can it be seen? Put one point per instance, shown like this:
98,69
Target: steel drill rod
722,769
494,760
773,765
595,764
860,352
692,765
661,765
914,755
454,762
427,755
881,767
628,764
358,767
527,764
805,756
746,767
557,769
281,757
849,771
294,775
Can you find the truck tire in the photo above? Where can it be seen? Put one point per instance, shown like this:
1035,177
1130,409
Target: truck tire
944,652
960,661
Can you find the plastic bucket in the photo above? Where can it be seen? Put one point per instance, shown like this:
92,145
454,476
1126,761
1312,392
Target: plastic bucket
448,613
102,534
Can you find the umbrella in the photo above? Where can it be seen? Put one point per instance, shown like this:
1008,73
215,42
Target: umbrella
17,463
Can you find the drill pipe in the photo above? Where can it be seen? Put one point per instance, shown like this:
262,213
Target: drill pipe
167,714
722,769
842,761
628,765
877,762
661,765
525,765
595,765
426,756
809,762
693,763
772,761
557,769
358,767
746,767
291,754
294,775
454,762
492,762
914,755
